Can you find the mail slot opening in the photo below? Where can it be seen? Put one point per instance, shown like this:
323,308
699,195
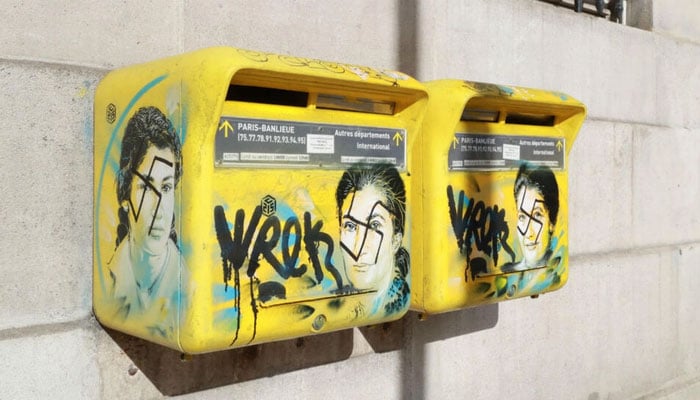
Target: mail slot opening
264,95
479,115
346,103
530,119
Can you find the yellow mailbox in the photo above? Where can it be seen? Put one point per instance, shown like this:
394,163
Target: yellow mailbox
492,199
243,197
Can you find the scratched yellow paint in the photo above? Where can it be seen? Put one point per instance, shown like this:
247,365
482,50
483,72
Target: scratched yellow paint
475,139
217,222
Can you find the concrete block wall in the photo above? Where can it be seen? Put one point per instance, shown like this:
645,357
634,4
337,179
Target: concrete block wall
624,327
677,18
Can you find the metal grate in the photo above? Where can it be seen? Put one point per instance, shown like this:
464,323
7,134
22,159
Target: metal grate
614,10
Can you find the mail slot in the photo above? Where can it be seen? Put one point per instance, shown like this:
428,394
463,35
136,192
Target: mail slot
492,193
243,197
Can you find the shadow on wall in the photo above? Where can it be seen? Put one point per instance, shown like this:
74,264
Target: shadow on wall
407,30
436,328
452,324
172,376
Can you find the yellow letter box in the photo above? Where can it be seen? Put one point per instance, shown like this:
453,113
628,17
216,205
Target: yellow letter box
492,194
243,197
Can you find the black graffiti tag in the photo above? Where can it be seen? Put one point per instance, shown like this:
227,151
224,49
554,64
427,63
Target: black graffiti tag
313,237
235,250
485,227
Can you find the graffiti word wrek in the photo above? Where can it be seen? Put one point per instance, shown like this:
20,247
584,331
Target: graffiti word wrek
486,227
235,250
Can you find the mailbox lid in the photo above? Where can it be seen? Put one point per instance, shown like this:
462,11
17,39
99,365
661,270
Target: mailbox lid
481,137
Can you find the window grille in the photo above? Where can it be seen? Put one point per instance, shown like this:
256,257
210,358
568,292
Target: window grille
613,10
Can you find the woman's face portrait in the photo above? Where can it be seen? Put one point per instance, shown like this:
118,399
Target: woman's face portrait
534,225
152,201
367,239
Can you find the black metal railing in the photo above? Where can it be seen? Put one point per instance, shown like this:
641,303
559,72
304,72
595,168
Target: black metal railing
609,9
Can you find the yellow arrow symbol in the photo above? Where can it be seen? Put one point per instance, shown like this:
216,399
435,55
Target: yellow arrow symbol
559,145
455,142
225,126
398,138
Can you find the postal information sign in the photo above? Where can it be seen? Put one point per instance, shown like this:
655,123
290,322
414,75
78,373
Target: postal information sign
282,144
494,152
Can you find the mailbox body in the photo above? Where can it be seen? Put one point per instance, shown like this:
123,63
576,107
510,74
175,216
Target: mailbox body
251,233
482,239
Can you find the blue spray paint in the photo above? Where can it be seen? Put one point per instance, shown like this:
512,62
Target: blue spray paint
150,85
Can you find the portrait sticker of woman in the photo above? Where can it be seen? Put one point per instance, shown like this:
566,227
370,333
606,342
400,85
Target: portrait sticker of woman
537,206
371,201
145,268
